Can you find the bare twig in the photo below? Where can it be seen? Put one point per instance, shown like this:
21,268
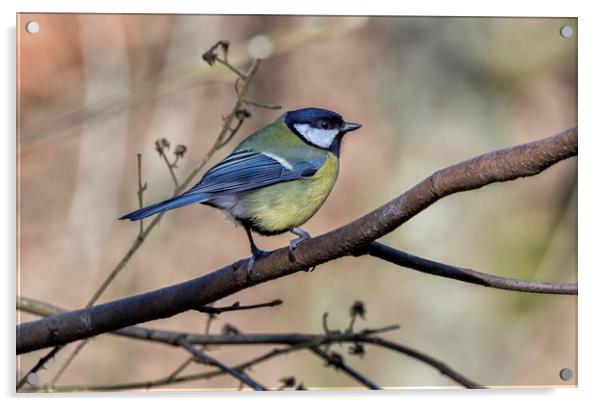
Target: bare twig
263,105
236,306
225,135
211,56
294,342
185,364
404,259
39,365
255,103
176,80
161,145
443,368
336,360
498,166
207,360
327,331
167,381
357,309
141,189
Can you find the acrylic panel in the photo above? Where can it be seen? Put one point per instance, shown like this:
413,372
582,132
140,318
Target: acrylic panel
472,281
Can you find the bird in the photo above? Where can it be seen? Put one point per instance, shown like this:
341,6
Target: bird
275,180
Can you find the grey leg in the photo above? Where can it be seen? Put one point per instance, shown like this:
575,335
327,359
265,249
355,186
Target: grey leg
303,235
255,253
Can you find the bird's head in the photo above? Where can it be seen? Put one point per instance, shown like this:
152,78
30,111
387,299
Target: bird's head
319,127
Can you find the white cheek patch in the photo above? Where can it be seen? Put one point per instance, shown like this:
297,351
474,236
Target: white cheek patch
317,136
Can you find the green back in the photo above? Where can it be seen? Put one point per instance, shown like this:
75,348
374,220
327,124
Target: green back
278,139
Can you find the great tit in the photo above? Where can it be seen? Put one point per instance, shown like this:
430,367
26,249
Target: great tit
274,180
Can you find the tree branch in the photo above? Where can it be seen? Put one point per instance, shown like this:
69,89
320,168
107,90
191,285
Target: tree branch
443,368
337,362
404,259
206,359
44,309
498,166
294,341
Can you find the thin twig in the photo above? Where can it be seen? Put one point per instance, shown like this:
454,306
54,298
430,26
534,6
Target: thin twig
166,381
256,103
236,306
141,189
295,342
337,362
442,367
39,365
416,263
263,105
227,64
357,309
161,145
218,143
176,80
206,359
185,364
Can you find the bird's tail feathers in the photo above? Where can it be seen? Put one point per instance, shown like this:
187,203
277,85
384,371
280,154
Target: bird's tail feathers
169,204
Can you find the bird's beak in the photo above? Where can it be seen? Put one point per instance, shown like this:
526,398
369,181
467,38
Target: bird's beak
350,127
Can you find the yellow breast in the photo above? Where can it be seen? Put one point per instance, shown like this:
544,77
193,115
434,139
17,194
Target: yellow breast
278,207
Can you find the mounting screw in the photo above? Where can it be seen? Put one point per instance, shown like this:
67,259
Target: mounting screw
32,379
566,374
566,31
32,27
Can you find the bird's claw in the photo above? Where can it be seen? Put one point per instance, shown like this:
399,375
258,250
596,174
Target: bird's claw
292,245
256,254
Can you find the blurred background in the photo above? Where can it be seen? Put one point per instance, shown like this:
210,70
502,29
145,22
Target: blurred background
95,90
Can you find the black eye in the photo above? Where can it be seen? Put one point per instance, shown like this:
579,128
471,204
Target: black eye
324,125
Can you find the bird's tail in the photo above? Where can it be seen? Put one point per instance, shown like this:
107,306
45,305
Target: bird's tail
168,204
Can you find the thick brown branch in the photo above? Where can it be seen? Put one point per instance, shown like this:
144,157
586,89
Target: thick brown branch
503,165
40,308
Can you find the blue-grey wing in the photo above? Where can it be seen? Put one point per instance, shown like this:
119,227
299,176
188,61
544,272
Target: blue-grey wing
247,170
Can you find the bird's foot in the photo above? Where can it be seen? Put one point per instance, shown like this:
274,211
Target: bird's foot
303,235
255,255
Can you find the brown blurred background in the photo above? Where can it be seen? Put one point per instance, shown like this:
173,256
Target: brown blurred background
94,90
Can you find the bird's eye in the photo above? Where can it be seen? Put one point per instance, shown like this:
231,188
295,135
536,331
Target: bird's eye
324,125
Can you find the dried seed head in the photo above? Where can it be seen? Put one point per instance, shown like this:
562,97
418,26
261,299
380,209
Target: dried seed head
229,329
336,360
357,349
161,144
288,381
180,150
242,114
358,309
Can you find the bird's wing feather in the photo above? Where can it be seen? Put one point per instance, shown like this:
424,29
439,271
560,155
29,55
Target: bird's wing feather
248,170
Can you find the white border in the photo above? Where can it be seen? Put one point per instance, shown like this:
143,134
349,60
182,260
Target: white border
589,179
